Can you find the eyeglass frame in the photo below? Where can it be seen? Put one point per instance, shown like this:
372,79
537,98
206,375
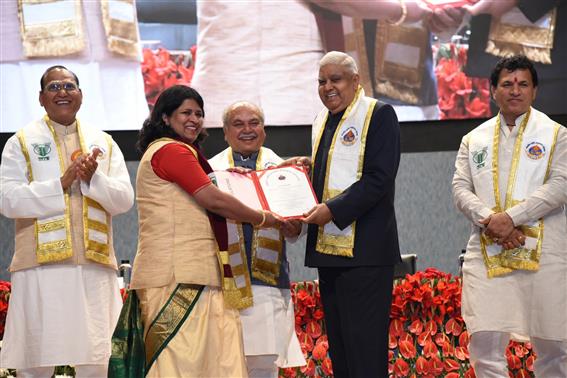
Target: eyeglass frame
61,85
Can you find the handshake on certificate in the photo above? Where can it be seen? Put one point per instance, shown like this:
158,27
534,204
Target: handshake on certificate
283,192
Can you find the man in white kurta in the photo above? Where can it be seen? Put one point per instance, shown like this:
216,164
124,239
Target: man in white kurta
62,181
268,326
511,183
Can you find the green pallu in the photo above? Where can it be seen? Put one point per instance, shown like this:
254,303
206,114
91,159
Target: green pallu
128,357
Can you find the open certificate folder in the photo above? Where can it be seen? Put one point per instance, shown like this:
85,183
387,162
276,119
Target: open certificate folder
285,191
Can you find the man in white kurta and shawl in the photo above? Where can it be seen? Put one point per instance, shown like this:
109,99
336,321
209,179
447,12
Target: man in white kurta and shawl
268,326
511,183
62,181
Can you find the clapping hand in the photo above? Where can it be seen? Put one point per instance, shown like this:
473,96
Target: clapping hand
88,165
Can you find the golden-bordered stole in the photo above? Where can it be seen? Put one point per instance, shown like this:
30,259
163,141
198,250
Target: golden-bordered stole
344,167
51,27
514,34
121,27
531,162
53,233
267,243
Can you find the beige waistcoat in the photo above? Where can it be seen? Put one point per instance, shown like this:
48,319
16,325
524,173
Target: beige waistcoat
175,240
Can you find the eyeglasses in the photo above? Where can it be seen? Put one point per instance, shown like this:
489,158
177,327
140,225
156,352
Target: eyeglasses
67,86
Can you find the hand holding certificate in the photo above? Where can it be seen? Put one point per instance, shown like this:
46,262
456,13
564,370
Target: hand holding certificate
285,191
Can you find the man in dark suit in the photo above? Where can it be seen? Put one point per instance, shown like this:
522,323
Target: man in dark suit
352,235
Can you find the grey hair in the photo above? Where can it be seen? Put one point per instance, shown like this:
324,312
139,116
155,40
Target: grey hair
241,104
341,59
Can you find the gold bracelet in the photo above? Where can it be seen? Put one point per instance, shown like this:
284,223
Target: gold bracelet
259,225
403,16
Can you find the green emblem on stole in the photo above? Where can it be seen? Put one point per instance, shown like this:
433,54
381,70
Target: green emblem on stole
42,150
479,157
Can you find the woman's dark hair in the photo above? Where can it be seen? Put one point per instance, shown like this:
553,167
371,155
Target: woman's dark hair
168,101
513,63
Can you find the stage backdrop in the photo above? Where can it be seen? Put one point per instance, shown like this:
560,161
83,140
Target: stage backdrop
263,51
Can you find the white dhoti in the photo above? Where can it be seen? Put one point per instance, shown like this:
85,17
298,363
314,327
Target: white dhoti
60,315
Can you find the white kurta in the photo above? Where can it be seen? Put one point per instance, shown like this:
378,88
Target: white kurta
522,302
268,327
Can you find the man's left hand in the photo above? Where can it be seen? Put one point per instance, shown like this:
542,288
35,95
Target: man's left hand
88,166
320,215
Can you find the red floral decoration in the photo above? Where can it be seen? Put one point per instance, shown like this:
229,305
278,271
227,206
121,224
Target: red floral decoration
162,70
459,95
5,288
427,337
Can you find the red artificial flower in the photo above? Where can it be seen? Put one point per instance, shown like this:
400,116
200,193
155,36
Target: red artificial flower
407,349
451,365
430,349
327,366
453,327
416,327
306,343
313,328
514,362
530,363
421,366
396,327
319,351
288,372
435,366
462,353
318,314
470,373
309,368
392,341
401,368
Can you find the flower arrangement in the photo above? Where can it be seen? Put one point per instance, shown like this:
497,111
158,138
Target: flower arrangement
5,288
310,330
427,337
161,70
459,95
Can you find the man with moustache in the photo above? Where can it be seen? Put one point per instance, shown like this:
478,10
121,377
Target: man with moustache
62,181
352,236
268,326
510,182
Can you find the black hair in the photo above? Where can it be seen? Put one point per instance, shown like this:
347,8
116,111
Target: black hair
168,101
513,63
42,80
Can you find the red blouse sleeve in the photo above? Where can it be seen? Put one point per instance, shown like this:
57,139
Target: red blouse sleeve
176,163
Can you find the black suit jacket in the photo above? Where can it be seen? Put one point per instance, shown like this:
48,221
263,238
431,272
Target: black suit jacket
369,201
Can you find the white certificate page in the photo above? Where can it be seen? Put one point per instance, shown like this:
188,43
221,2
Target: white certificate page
287,191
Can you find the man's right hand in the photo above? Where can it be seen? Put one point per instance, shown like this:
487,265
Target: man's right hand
302,161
